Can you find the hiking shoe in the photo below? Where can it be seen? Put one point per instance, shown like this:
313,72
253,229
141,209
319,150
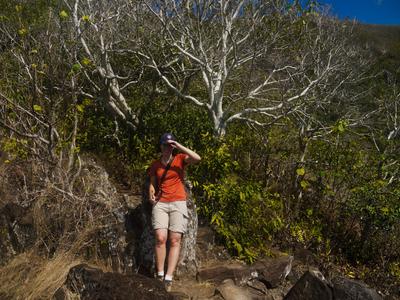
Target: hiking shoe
168,285
160,278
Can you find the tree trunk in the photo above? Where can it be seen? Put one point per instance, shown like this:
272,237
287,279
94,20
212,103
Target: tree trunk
219,123
187,261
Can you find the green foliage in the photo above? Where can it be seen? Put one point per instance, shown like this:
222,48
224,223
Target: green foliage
16,148
307,233
37,108
140,148
376,205
394,269
86,18
300,171
350,201
63,14
243,214
340,126
217,161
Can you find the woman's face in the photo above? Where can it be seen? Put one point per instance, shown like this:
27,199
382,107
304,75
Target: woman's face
166,148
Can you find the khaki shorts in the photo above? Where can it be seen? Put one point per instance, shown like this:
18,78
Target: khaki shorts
170,215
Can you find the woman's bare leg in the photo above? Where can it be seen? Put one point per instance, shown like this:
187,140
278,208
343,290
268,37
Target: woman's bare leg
175,247
160,249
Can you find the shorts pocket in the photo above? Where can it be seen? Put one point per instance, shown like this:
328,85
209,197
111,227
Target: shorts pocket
182,208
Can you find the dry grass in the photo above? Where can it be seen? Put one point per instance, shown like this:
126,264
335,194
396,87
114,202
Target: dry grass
28,276
67,224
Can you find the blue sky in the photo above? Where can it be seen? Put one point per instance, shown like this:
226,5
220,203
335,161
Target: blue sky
367,11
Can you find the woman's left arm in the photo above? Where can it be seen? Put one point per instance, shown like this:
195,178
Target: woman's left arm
191,158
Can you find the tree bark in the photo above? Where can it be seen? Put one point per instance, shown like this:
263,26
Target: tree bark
187,262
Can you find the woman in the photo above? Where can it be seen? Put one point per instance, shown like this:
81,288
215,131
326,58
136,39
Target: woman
168,197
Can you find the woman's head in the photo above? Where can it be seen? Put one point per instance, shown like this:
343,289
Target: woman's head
164,145
167,137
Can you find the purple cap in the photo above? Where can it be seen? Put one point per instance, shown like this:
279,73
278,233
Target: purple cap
166,137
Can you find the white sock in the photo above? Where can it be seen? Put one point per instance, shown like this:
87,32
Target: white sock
160,274
168,277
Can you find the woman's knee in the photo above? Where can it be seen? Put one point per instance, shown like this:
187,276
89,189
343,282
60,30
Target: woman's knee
161,237
175,239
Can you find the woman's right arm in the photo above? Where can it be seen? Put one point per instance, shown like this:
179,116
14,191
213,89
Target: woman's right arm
152,190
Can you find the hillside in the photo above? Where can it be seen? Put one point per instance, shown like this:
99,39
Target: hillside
294,113
384,42
380,35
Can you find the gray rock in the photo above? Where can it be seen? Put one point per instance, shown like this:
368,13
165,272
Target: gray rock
188,259
116,241
305,256
229,291
238,273
25,222
179,296
347,289
311,286
258,285
273,271
17,232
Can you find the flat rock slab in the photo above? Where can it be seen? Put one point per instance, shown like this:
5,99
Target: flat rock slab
311,286
229,291
237,273
90,283
179,296
271,272
347,289
257,285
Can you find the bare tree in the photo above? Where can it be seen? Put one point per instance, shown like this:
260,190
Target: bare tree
384,130
105,33
43,98
258,61
391,106
101,33
42,104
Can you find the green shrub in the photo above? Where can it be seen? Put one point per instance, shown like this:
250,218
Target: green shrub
243,214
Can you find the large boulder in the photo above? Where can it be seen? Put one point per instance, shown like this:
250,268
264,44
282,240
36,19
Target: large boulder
311,286
120,225
115,237
273,271
84,282
36,212
17,232
347,289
